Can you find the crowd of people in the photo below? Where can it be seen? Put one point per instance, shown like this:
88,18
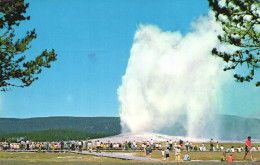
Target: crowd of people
147,147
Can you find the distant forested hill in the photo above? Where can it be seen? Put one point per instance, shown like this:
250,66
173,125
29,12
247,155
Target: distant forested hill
237,128
227,127
224,127
87,124
53,135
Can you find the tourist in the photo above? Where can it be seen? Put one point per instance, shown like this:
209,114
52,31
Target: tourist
211,144
230,158
167,153
187,146
217,146
150,152
147,149
182,148
86,144
238,149
170,145
232,149
98,146
160,146
227,150
126,146
80,146
181,142
144,148
177,153
27,145
49,148
223,158
190,145
134,145
248,148
152,144
9,144
58,145
186,157
89,146
167,144
157,146
175,144
195,148
53,146
61,145
200,148
129,145
162,154
221,148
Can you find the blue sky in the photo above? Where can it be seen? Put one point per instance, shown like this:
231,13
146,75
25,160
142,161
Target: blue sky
93,39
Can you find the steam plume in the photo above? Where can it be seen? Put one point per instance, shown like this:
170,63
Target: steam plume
171,77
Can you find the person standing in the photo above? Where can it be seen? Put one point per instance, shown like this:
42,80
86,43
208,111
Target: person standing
61,145
86,144
49,146
162,154
167,153
211,144
170,145
167,144
147,151
181,142
217,146
89,146
152,145
190,145
187,146
134,145
150,152
98,146
248,148
27,145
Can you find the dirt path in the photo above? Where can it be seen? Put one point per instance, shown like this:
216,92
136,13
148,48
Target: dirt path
125,156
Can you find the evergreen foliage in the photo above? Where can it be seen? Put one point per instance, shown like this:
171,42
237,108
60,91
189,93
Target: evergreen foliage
54,135
240,20
87,124
15,70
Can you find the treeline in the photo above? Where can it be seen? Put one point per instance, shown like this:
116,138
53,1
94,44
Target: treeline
87,124
54,135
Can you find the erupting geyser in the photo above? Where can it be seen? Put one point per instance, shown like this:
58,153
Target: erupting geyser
173,80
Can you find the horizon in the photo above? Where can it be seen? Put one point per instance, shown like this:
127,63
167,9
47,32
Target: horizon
111,117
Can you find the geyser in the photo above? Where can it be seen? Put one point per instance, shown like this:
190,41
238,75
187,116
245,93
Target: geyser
173,80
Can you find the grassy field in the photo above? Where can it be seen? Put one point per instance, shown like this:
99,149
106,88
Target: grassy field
205,155
71,158
55,158
14,158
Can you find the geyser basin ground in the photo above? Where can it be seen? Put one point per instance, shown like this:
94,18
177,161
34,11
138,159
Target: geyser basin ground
144,137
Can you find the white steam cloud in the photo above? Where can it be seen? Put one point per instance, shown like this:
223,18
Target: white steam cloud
172,80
